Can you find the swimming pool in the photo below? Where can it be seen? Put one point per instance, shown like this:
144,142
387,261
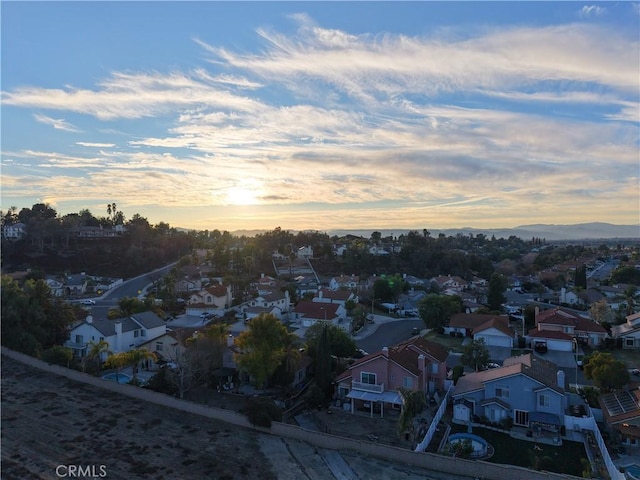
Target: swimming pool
479,444
117,377
633,472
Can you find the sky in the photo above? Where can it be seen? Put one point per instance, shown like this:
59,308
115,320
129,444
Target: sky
324,115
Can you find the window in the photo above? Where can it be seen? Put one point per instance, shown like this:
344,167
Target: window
434,368
143,333
102,339
368,378
543,400
502,391
159,346
136,333
407,382
79,339
629,342
521,418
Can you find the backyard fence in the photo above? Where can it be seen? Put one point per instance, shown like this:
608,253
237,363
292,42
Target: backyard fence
422,446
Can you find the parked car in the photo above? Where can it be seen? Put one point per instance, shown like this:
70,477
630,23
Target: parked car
636,371
88,302
540,347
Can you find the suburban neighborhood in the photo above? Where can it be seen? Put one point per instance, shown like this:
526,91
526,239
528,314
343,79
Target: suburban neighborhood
461,364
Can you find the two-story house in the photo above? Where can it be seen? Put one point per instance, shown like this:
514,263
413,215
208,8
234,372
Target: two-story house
493,329
527,389
122,334
276,303
629,332
372,382
213,299
561,330
15,231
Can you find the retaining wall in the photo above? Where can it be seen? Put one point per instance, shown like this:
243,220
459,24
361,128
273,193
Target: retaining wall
457,466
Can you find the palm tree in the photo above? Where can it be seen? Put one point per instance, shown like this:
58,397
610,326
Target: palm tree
118,361
135,357
95,353
292,354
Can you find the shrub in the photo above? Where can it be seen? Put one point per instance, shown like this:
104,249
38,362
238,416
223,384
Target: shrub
261,411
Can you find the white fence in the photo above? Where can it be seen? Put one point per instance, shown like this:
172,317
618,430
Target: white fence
614,473
422,446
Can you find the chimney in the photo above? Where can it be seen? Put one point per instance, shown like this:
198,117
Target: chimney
118,327
537,312
262,275
385,351
560,378
320,294
421,362
89,319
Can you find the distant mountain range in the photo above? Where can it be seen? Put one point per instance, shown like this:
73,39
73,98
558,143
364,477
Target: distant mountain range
580,231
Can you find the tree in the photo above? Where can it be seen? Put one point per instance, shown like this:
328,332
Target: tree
497,287
413,402
261,347
600,312
436,310
323,362
117,361
607,373
135,357
58,355
580,276
476,354
97,350
342,345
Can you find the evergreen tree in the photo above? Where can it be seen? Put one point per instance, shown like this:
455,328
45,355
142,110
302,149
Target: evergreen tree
323,363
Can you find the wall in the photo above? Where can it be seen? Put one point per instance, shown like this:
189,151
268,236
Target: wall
456,466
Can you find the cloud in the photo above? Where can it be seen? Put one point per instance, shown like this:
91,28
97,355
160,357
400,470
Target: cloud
96,145
592,11
58,124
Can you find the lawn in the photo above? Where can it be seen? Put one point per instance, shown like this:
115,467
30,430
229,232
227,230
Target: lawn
562,459
452,344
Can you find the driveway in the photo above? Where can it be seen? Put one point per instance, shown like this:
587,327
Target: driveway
561,359
498,354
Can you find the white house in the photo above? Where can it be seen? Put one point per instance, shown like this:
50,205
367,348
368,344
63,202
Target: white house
305,252
122,334
629,332
276,303
55,286
344,281
335,296
15,231
210,300
312,312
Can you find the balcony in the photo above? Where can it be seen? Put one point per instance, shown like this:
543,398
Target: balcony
367,387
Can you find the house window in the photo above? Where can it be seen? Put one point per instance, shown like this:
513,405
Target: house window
143,333
629,342
407,382
136,333
521,418
79,339
434,368
502,391
102,339
368,378
543,400
159,346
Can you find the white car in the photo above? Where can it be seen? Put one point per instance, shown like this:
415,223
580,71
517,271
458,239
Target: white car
88,302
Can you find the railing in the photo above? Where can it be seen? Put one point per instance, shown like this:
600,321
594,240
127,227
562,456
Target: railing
367,387
422,446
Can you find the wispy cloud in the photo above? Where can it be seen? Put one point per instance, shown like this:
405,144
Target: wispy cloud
58,124
96,145
592,11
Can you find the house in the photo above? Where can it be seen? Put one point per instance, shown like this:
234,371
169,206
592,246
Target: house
344,281
377,251
15,231
341,297
493,329
629,332
557,328
312,312
55,286
450,283
304,284
76,284
210,300
276,303
122,334
621,411
168,347
372,382
526,389
266,284
305,252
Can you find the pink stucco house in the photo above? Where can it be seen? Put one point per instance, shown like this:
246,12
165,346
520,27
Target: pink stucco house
372,382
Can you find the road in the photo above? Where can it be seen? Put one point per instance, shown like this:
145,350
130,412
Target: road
388,333
130,288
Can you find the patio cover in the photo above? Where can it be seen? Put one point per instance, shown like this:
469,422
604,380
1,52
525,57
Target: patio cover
548,421
388,397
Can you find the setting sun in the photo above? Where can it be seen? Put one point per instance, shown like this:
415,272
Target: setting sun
241,196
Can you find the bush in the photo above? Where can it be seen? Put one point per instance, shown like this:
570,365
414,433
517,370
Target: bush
458,370
261,411
57,355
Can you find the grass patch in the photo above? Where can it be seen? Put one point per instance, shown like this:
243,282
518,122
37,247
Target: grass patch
563,459
453,344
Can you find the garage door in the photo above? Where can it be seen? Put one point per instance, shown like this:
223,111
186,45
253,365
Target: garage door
461,412
495,340
560,345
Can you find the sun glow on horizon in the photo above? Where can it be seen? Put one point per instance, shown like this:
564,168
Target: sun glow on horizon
242,196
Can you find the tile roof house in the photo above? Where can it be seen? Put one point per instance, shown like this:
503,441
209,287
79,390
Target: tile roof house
344,281
276,303
527,389
312,312
493,329
372,382
557,328
122,334
629,332
326,295
212,299
622,413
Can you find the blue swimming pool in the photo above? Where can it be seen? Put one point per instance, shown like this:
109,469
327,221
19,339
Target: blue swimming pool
479,444
117,377
633,472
